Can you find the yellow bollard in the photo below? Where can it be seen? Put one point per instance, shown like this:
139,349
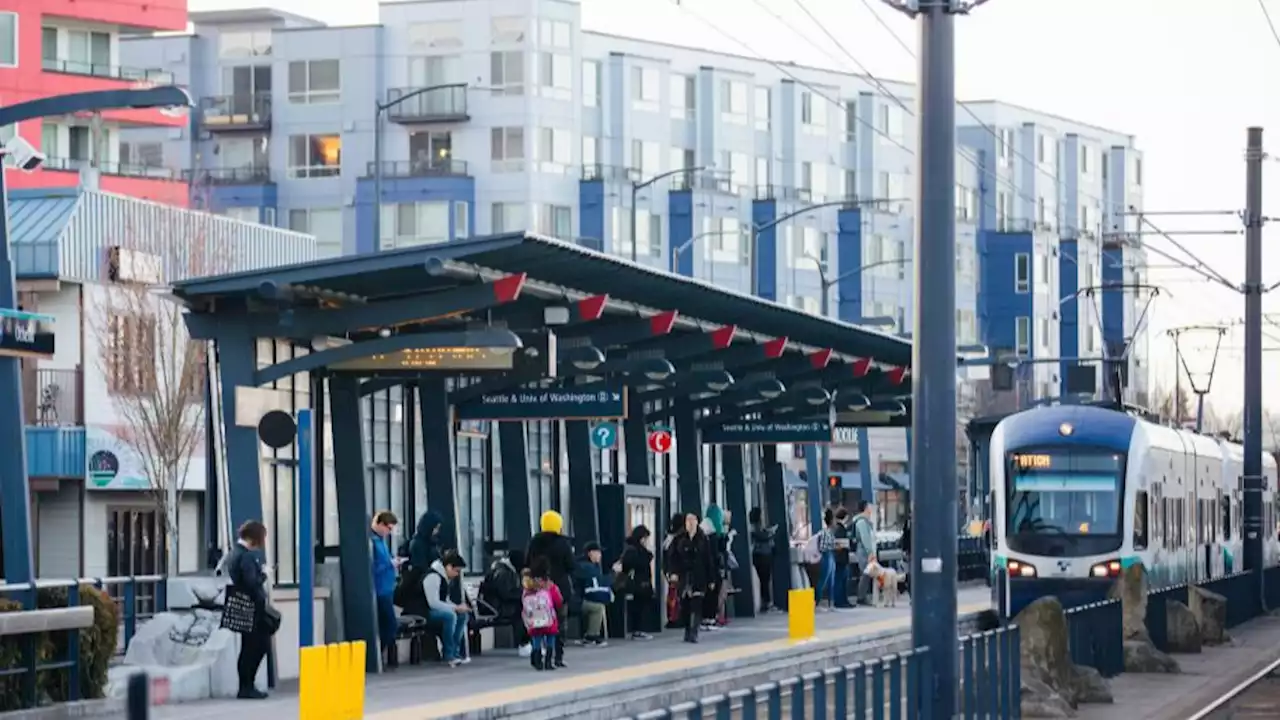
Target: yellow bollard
332,680
310,683
800,614
358,658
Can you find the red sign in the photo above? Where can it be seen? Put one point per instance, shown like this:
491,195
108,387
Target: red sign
660,441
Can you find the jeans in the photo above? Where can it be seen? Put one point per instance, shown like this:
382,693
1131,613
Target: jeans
764,570
543,643
826,577
842,585
453,632
592,619
387,622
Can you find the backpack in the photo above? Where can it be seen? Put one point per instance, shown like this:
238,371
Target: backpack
538,610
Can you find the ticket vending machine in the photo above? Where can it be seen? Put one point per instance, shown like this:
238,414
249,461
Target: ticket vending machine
622,508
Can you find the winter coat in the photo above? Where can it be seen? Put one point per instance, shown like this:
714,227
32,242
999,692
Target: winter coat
693,563
558,552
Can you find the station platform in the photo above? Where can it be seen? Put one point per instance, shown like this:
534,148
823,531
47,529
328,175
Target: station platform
1204,677
499,678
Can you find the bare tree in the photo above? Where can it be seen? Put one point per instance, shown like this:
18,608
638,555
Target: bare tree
1172,405
154,372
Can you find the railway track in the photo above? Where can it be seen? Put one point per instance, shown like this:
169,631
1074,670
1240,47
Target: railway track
1256,697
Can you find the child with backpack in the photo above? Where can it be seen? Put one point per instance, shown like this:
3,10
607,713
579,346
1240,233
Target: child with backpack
541,606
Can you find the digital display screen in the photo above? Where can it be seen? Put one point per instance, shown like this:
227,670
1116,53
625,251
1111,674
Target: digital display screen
456,358
24,334
1033,462
1107,463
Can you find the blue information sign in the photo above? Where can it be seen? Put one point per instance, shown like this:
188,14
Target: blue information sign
768,432
604,435
539,404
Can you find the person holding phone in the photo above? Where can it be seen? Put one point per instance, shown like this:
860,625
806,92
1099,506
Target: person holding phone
384,582
762,550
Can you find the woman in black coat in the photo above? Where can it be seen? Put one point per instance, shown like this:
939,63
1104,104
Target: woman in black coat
636,566
693,570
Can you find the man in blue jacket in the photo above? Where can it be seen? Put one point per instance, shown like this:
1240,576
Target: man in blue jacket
384,582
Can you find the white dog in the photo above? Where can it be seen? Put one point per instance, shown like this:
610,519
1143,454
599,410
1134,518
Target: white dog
884,584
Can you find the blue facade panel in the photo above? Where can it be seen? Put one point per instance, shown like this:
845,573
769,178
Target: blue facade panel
261,195
54,452
680,219
407,190
1068,286
591,214
999,303
764,212
1113,301
848,260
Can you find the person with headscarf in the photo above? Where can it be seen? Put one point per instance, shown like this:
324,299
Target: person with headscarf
712,527
552,545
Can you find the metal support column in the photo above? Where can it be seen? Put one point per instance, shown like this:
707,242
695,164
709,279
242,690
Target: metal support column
933,361
15,490
584,511
688,459
354,549
635,441
815,482
865,474
775,495
437,460
735,499
237,361
516,509
1253,480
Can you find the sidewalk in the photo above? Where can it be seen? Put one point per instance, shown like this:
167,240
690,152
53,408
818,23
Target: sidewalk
1204,677
500,677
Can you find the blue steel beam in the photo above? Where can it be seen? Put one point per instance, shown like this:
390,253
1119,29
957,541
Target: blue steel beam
314,322
683,346
355,351
622,332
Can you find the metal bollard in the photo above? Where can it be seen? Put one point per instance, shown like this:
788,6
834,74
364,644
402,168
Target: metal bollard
138,705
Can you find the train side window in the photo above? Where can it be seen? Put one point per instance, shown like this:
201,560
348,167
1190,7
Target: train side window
1140,520
1224,502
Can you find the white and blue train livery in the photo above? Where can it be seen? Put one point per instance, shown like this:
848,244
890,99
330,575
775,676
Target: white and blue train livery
1080,492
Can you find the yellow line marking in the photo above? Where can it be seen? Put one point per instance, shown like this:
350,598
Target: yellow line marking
524,693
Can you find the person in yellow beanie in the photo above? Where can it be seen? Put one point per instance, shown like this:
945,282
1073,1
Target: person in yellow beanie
555,549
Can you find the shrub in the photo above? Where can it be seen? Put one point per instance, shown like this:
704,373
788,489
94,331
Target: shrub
12,695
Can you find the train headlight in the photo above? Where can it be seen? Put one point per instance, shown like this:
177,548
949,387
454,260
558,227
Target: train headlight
1021,569
1108,569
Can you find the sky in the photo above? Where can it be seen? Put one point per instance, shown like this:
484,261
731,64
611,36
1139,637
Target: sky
1186,78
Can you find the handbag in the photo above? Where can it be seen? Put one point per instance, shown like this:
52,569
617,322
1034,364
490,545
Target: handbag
239,612
270,619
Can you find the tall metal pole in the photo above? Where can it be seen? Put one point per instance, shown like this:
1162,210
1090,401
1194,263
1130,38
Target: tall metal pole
635,193
1253,530
933,361
377,176
15,487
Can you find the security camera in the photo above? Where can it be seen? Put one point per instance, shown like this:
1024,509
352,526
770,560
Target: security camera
25,157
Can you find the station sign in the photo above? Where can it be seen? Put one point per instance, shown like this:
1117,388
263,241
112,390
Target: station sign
547,404
24,334
538,356
769,432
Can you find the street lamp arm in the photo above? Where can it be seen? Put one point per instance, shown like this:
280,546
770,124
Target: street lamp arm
385,106
818,206
669,173
870,266
162,96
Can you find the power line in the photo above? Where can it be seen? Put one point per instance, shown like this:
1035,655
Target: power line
830,36
1267,14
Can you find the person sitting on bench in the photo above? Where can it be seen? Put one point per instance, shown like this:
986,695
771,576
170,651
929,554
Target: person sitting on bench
500,590
442,611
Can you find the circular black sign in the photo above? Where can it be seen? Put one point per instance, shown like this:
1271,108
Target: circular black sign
277,429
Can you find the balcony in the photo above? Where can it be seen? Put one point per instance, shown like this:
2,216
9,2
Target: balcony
61,164
441,104
430,167
108,72
251,175
236,113
51,398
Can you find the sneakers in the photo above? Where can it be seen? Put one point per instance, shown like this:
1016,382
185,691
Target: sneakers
525,650
464,660
455,662
641,636
251,694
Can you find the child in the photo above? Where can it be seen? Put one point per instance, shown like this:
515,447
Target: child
541,607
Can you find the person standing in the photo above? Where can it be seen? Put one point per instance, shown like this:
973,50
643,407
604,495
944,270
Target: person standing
248,612
550,544
635,570
827,561
762,555
384,582
692,570
864,535
842,533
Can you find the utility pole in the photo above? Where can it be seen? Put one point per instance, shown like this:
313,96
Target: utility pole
1253,219
933,354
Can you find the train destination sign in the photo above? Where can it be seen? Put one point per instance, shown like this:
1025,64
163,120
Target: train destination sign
769,432
24,334
538,404
451,358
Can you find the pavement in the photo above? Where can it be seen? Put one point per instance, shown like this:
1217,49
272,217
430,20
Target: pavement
1204,678
500,677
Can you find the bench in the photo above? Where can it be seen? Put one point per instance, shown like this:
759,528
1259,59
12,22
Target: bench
424,637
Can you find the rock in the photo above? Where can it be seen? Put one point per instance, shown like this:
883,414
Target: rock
1141,656
1184,630
1038,700
1131,589
1210,611
1091,687
191,650
199,591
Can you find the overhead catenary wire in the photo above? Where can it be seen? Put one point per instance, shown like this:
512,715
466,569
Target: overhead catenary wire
1199,266
1270,24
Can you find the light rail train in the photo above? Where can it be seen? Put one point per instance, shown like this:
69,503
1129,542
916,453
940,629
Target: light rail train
1080,492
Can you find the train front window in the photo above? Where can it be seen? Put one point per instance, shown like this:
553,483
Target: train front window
1065,494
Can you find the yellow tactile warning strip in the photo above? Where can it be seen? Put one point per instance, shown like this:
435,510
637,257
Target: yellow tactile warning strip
524,693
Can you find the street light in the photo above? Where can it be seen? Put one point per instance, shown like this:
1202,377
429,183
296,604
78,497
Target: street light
637,186
687,244
828,284
15,491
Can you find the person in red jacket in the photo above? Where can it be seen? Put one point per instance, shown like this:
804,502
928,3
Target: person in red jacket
542,605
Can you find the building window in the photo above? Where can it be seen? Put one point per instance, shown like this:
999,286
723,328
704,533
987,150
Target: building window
590,151
315,156
1022,273
136,546
1045,328
733,99
506,217
430,152
243,82
506,149
850,120
738,167
806,108
764,107
1004,150
434,70
1137,171
644,157
555,33
555,76
323,223
591,83
506,73
131,364
1084,159
764,177
1040,143
508,30
79,146
552,150
88,53
8,39
413,224
249,43
436,35
142,154
644,87
461,220
1022,335
684,99
314,81
553,220
242,214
